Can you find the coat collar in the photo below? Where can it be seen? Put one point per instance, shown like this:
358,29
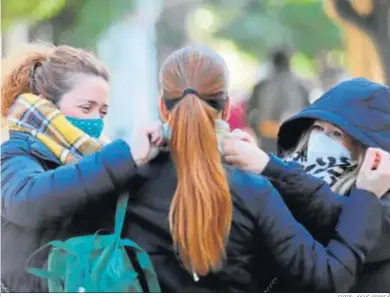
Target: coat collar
37,148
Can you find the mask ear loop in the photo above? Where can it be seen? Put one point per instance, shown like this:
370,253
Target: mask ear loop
221,128
166,132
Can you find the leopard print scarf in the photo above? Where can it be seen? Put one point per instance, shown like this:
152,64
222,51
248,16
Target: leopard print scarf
330,169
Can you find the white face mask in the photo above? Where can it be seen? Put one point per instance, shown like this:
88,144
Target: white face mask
322,146
325,158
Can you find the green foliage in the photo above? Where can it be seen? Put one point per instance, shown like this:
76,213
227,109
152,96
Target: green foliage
75,22
311,30
257,26
28,10
90,19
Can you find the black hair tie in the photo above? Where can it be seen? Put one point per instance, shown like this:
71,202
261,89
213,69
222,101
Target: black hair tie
190,91
217,104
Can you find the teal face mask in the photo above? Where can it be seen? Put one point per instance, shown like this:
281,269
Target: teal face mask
92,127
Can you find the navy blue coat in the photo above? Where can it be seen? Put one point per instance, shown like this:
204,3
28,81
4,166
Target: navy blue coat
43,200
265,240
362,109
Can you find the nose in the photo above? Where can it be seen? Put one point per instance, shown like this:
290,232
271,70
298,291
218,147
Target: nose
96,114
327,130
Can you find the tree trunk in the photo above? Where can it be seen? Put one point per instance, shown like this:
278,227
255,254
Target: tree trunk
375,24
61,22
128,48
172,27
381,33
383,46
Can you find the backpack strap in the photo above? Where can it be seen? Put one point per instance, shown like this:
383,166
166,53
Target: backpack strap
43,273
146,265
142,256
120,213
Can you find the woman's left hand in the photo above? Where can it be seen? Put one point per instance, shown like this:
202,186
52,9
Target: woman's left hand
374,174
240,149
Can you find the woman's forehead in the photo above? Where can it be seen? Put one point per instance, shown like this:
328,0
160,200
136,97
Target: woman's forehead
327,123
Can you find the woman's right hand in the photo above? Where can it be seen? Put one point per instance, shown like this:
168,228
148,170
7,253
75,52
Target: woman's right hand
372,178
145,142
240,149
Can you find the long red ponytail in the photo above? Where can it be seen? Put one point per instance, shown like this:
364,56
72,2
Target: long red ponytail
201,210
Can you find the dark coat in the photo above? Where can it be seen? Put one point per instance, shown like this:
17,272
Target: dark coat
362,109
43,200
264,241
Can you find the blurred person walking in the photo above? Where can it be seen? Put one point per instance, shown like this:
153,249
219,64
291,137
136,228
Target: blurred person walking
276,97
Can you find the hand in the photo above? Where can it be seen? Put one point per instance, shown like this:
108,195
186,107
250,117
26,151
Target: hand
374,175
244,136
240,149
145,142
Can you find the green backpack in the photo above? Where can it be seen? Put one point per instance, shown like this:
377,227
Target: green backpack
97,263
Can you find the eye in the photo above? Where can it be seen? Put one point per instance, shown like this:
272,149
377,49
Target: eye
86,108
317,128
337,134
103,113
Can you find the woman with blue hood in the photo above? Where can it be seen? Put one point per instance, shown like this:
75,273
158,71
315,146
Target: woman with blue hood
332,140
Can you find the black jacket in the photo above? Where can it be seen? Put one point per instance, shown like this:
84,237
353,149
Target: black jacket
265,240
42,200
313,204
362,109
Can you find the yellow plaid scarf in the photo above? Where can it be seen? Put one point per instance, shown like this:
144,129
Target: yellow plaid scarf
42,119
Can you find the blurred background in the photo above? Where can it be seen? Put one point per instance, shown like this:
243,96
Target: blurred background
282,54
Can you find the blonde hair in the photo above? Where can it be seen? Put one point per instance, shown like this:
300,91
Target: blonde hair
345,183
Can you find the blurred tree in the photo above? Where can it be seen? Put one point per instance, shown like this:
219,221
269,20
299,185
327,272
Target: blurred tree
330,72
257,26
366,27
172,32
30,11
75,22
81,23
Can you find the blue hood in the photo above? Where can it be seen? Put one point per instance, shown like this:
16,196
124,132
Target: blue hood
358,106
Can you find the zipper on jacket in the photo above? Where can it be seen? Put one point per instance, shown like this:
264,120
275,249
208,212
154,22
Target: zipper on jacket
196,276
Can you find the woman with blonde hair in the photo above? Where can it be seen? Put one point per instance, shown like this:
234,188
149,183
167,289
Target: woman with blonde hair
209,227
59,179
324,149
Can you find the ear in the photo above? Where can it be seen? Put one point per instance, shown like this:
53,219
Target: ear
164,113
226,109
